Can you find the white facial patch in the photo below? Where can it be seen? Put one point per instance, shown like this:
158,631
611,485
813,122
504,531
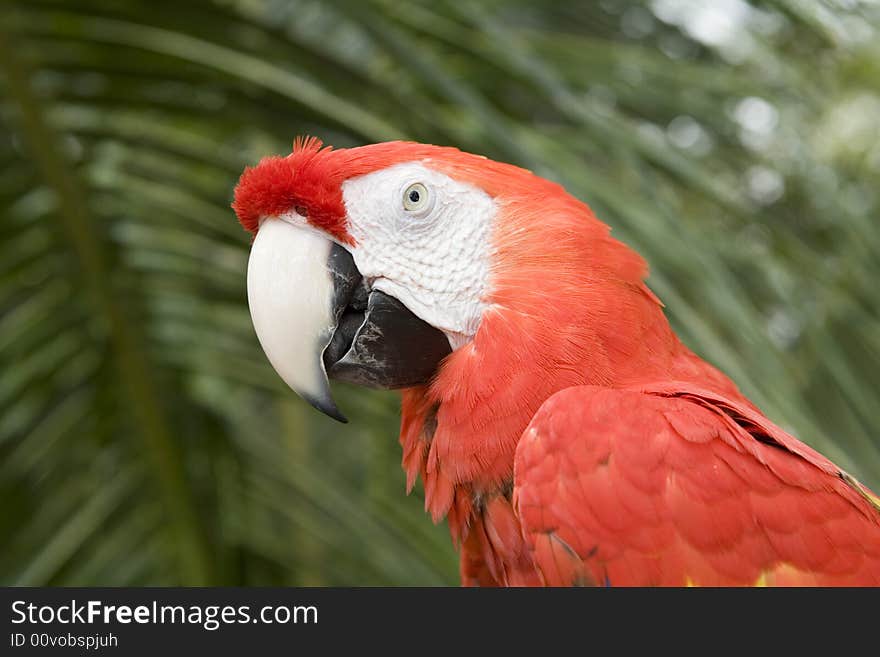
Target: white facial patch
424,239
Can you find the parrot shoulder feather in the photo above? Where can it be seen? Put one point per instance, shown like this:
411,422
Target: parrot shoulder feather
673,485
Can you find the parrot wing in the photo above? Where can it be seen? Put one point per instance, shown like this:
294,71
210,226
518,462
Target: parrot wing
668,485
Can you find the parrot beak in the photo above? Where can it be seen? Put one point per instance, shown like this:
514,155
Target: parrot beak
314,315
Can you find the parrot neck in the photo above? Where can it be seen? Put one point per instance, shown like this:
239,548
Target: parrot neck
567,306
460,433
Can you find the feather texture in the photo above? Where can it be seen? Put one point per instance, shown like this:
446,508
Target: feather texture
671,486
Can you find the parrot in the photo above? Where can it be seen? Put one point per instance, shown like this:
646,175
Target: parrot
555,420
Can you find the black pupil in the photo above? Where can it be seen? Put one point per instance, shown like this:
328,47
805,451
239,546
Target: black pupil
414,196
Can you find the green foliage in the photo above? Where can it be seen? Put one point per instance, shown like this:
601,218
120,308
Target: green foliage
144,438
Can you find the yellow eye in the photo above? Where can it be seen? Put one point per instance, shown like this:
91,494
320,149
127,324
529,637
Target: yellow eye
415,198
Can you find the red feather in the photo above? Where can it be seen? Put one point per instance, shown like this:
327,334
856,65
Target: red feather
706,522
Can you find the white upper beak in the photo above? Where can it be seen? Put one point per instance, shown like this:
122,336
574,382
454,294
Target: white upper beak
290,294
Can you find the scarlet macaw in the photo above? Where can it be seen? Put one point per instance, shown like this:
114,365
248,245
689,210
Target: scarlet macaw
557,423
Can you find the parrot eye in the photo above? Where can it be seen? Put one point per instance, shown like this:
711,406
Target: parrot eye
415,198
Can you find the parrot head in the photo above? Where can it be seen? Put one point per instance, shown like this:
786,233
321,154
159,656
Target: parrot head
399,265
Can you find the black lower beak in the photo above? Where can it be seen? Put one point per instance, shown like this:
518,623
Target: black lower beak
378,342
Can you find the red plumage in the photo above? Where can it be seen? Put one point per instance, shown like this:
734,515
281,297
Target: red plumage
308,181
575,440
665,485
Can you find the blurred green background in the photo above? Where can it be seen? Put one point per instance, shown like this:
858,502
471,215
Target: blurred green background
144,439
